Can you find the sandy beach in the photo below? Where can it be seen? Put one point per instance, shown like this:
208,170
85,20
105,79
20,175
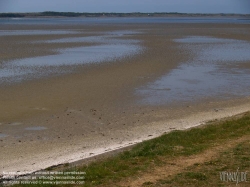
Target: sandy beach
93,108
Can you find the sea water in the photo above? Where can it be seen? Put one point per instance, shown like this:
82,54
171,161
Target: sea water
105,47
214,71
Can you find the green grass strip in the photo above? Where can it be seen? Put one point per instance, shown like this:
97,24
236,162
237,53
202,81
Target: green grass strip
153,152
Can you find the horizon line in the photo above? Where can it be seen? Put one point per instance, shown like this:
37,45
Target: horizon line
121,13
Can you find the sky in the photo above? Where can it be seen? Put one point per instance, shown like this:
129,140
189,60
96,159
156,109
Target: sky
183,6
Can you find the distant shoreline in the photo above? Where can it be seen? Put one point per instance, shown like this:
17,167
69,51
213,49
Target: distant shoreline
108,14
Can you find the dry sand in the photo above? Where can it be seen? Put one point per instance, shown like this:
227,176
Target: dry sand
94,109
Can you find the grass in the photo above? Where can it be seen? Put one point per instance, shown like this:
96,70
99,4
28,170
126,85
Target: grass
156,152
208,173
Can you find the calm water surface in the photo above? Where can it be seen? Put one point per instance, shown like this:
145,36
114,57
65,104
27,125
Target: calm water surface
84,21
213,72
107,46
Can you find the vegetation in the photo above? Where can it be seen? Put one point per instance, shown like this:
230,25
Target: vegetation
112,14
11,15
208,173
178,144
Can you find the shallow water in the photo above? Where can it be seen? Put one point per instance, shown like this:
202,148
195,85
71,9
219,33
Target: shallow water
3,135
208,75
92,39
79,55
203,40
35,32
108,47
119,20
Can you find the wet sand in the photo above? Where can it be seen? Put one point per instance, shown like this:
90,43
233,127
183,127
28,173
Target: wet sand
94,109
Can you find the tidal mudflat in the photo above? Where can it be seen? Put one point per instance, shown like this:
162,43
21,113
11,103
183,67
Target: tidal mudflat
100,87
215,71
100,48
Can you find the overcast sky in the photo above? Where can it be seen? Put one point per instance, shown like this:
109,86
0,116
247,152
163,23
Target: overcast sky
185,6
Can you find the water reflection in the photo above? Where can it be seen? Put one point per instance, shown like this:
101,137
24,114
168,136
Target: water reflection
207,75
35,32
107,47
79,55
92,39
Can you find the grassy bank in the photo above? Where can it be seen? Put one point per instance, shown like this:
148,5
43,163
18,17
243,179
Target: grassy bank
209,173
158,152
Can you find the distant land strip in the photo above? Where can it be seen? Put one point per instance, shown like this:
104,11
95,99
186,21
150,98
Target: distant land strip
133,14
